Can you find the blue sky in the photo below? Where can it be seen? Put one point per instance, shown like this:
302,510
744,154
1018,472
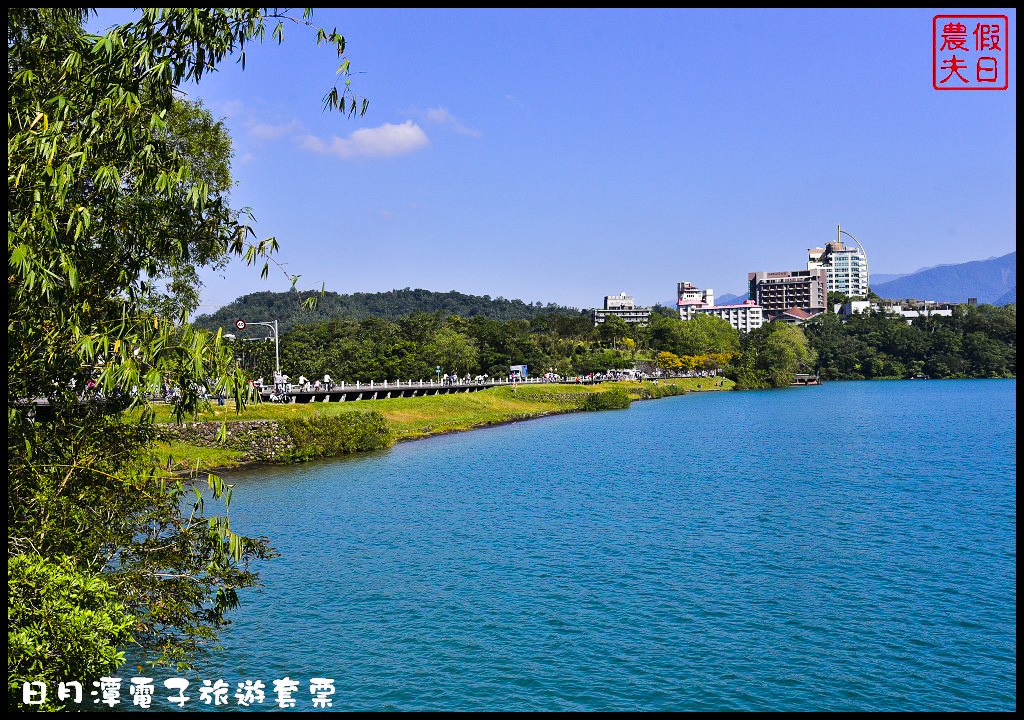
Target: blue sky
564,155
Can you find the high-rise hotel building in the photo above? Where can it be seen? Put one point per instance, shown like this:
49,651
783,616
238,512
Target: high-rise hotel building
846,268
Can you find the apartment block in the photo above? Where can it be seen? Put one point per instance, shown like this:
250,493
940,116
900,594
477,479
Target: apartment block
693,301
777,292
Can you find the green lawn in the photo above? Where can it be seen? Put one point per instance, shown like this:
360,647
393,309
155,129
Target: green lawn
179,457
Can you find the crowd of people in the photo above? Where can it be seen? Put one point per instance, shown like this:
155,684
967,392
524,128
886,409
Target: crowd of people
282,387
282,382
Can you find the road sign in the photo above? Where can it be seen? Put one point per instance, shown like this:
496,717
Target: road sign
240,324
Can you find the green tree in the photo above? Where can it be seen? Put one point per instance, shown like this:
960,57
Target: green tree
454,352
663,333
112,187
659,310
835,298
612,329
771,355
702,335
193,134
839,352
707,334
975,342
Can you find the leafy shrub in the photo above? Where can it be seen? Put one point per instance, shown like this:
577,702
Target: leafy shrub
67,623
652,392
327,436
614,399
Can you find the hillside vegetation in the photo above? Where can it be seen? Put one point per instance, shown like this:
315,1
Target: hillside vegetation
287,308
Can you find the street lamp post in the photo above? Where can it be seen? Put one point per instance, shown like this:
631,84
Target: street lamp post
867,272
277,352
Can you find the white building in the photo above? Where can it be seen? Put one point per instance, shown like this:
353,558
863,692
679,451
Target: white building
907,309
691,295
744,317
692,301
846,268
853,307
624,307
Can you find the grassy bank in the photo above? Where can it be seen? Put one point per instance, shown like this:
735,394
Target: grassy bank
417,417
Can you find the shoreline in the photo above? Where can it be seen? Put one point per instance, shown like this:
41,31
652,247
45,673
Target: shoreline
635,393
252,464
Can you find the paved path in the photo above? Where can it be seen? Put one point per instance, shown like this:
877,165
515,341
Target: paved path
409,388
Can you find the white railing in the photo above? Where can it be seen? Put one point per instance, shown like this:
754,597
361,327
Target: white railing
334,386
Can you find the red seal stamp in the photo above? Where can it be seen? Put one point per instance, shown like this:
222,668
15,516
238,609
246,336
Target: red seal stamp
970,52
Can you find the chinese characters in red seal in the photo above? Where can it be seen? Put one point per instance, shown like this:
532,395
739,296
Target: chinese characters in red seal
970,52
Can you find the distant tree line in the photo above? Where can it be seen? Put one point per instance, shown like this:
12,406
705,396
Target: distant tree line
414,347
975,342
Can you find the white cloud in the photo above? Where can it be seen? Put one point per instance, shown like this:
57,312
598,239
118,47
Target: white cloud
386,140
441,116
230,108
312,142
260,121
266,131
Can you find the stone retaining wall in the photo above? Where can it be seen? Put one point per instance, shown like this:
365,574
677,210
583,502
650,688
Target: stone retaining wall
260,440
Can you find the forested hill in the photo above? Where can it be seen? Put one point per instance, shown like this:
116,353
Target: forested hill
287,307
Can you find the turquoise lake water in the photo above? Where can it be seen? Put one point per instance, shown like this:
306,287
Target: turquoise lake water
844,547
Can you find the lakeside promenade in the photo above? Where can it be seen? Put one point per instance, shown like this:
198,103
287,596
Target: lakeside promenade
342,392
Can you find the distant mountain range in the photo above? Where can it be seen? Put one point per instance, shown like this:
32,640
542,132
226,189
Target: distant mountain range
879,278
727,299
992,281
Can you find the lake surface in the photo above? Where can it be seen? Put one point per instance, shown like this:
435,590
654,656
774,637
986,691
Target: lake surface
844,547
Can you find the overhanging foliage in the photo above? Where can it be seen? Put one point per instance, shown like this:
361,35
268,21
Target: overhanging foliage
113,186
